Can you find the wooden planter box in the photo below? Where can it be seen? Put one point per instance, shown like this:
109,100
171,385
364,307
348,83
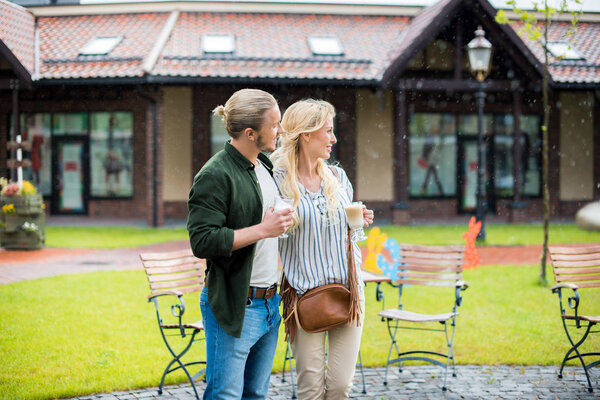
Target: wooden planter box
31,204
13,232
22,240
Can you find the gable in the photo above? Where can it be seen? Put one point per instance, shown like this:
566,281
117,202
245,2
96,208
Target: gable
461,17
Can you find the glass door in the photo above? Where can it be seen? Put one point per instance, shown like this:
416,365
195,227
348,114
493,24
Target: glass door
467,174
69,196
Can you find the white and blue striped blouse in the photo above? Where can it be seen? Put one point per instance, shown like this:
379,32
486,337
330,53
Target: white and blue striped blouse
314,253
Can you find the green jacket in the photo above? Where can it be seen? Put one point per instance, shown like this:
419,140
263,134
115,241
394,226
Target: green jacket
225,196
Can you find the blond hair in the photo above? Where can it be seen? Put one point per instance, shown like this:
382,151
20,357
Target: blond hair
304,116
246,108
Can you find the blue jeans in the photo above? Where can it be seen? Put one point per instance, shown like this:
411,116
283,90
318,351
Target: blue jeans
240,368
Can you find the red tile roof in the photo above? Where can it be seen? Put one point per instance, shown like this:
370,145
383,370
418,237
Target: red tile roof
61,38
268,45
17,33
586,40
275,46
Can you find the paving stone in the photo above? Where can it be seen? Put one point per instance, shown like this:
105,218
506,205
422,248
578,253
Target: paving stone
424,383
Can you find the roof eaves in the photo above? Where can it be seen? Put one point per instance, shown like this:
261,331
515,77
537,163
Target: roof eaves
19,69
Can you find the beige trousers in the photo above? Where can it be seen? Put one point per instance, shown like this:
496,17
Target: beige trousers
328,376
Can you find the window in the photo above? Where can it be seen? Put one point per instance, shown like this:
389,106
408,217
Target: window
218,134
503,130
111,154
214,43
531,154
432,155
35,130
325,46
564,51
70,124
100,45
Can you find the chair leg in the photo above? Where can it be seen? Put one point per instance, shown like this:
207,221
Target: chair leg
450,356
288,358
578,355
362,373
177,359
392,345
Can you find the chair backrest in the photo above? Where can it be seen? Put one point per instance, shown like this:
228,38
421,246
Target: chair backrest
173,270
579,265
430,265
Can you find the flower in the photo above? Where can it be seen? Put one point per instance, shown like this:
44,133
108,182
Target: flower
8,209
12,189
29,227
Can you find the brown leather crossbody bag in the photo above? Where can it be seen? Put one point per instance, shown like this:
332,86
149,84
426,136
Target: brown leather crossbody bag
324,307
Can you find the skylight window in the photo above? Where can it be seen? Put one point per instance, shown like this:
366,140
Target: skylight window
100,45
325,46
213,43
564,51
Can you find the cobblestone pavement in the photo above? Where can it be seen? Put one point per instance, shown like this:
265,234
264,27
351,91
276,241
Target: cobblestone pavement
424,382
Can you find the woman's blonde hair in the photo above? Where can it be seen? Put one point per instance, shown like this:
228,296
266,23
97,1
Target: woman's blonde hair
304,116
246,108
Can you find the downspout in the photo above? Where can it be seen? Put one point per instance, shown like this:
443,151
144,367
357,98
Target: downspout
153,103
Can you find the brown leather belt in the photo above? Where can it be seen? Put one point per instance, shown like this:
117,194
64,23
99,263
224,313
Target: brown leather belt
262,293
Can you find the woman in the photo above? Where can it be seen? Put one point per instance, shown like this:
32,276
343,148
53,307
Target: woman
314,253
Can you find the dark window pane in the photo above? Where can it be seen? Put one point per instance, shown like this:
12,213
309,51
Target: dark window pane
111,155
467,124
35,130
432,154
218,134
502,130
531,154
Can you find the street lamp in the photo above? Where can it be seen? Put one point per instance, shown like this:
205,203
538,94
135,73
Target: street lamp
480,52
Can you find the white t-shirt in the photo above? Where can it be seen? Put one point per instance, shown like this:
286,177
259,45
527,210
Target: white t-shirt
264,265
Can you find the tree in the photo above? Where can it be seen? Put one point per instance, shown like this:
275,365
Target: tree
539,35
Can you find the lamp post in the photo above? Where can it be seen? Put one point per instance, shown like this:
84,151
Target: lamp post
480,52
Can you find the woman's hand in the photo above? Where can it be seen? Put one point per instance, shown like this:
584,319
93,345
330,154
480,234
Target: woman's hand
368,216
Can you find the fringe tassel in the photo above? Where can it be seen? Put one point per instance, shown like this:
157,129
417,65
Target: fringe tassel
355,308
289,298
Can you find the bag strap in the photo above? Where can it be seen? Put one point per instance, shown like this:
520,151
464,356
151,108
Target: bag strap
352,279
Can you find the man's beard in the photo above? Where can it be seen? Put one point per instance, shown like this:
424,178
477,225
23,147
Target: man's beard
261,144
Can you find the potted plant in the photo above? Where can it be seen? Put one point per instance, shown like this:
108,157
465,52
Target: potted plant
22,219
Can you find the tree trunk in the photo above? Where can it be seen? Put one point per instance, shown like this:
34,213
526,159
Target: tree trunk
545,190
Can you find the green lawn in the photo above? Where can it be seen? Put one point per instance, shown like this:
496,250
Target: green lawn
497,234
110,237
107,237
86,333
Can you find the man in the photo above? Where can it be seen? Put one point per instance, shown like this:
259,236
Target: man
233,225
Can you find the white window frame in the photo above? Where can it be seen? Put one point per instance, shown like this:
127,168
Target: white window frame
100,45
325,45
218,43
564,50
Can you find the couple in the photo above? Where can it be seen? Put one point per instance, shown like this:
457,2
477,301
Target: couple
232,223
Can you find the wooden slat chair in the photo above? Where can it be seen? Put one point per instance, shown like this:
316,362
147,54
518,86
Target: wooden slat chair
439,266
576,268
175,273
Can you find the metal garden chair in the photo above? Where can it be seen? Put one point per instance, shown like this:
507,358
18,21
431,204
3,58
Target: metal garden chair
175,274
438,266
576,268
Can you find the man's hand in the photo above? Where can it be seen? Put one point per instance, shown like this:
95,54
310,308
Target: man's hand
275,223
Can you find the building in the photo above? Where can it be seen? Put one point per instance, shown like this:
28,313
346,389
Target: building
115,101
